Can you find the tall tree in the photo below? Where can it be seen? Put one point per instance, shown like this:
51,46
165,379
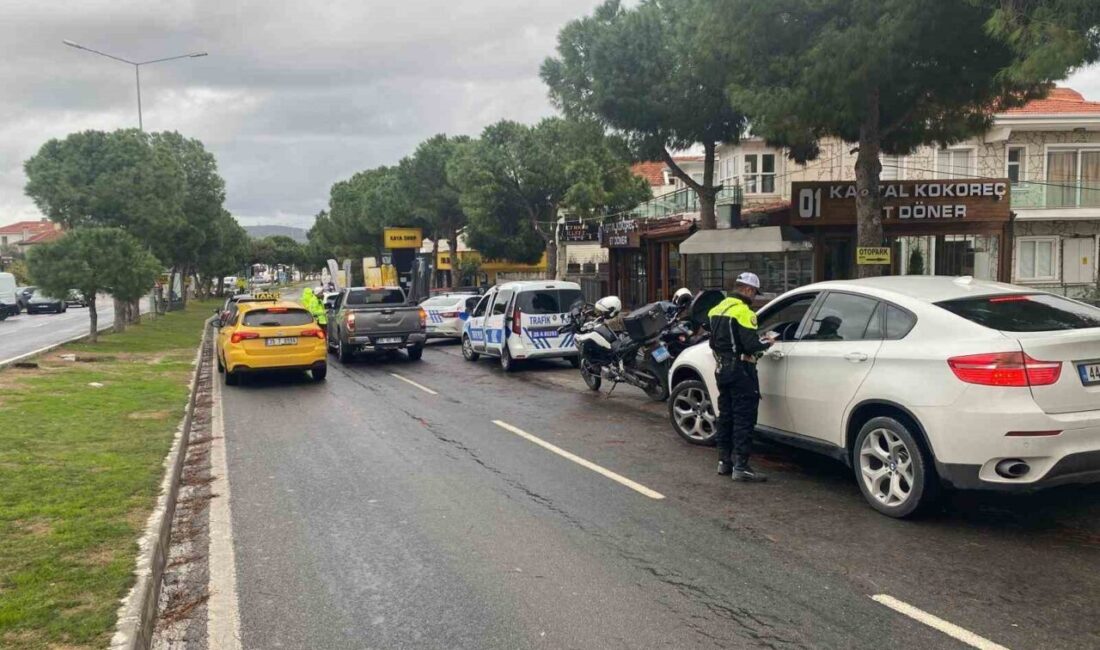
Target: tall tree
517,180
645,72
889,75
94,260
436,197
226,252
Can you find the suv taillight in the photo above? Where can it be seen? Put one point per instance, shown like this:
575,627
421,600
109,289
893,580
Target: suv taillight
1005,369
517,326
350,321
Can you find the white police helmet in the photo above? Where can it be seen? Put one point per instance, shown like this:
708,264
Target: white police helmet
749,280
682,297
609,306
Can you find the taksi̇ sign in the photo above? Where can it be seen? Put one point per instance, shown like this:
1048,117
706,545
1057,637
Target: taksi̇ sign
870,255
904,201
402,238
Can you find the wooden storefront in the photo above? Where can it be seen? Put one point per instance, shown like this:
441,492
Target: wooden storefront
644,258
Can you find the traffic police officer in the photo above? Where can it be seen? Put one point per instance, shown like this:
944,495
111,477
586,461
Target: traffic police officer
735,344
312,302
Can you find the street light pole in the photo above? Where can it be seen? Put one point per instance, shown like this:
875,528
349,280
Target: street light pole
137,68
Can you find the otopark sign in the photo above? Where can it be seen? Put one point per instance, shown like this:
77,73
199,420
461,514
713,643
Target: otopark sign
832,202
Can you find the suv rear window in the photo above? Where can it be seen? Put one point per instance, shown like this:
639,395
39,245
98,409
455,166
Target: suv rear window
1025,312
276,317
547,301
361,297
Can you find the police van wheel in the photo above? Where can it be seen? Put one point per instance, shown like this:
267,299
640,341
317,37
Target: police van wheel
468,350
506,362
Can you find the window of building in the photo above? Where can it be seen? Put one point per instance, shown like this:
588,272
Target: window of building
1073,178
1035,258
891,168
1017,164
760,173
955,163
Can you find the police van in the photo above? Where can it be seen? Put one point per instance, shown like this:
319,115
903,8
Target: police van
520,320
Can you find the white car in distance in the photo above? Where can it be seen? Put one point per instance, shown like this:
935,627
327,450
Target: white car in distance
918,382
447,313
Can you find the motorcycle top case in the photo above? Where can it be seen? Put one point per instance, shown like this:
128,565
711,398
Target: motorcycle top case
645,322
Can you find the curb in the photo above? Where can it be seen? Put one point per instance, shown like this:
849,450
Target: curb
138,613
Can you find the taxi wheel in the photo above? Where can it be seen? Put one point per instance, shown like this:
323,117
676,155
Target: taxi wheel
468,350
415,353
232,378
319,373
221,367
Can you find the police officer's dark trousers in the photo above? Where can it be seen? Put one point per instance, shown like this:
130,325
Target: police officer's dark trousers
738,405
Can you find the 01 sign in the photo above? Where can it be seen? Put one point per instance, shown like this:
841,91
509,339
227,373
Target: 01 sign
809,203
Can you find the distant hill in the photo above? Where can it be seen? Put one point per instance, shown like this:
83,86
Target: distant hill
259,232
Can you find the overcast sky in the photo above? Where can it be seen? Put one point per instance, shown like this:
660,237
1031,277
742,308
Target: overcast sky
293,95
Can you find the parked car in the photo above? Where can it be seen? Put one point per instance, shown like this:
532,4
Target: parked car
447,313
520,320
76,299
270,335
41,303
229,310
375,319
9,298
918,382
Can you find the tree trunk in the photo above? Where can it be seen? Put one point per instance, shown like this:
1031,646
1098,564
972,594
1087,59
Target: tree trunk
135,312
93,321
869,231
120,316
708,220
551,258
452,244
435,261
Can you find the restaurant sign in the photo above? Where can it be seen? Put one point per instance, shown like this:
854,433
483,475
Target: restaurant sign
620,234
904,201
579,231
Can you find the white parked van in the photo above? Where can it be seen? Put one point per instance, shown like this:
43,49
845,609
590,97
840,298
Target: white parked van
520,320
9,305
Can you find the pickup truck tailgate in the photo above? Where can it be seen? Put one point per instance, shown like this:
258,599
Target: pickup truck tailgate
396,320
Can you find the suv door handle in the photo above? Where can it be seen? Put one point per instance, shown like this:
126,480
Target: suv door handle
856,357
776,354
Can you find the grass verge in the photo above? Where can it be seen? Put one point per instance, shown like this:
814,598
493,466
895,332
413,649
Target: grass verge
80,470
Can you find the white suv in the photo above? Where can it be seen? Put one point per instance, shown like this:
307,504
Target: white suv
916,380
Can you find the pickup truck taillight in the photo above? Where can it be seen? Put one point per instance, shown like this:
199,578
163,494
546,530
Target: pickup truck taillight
349,320
242,336
423,318
517,326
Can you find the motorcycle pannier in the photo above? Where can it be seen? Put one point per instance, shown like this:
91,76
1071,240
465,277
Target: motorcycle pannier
646,322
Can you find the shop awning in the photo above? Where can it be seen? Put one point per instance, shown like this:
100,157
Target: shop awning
767,239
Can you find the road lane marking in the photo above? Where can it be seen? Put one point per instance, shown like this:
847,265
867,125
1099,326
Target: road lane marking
413,383
622,480
223,619
937,623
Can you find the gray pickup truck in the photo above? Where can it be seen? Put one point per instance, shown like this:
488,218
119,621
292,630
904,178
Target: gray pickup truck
362,319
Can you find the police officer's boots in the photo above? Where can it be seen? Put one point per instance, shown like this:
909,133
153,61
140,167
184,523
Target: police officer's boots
742,472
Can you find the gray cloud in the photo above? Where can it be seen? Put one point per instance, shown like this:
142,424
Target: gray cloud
294,95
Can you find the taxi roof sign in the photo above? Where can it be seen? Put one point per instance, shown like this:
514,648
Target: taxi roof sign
267,295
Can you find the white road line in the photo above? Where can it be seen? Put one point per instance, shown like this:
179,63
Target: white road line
413,383
937,623
637,487
223,620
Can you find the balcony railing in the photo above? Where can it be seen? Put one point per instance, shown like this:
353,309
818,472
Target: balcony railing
1052,195
684,201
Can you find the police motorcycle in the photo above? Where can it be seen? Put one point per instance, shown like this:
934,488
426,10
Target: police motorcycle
636,357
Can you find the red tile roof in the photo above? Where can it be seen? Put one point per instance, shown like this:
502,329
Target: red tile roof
18,227
1061,101
654,171
43,237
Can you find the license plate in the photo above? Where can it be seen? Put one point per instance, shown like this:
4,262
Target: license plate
661,354
388,339
1090,373
287,340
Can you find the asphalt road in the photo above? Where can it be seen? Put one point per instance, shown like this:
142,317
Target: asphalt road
26,333
369,513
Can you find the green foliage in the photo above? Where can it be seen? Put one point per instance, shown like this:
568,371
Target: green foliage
277,250
18,268
359,209
516,180
182,238
227,250
1049,36
469,267
645,72
916,262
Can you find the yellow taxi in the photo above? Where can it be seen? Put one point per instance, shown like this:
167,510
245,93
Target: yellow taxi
270,335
